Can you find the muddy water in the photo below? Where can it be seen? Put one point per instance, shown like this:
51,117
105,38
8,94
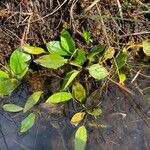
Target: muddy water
123,125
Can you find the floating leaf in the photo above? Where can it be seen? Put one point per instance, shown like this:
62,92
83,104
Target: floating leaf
28,122
121,60
94,51
79,92
86,36
12,108
80,57
95,112
32,100
53,61
108,54
77,118
80,138
19,63
70,76
54,47
146,47
7,86
59,97
67,41
98,71
3,76
33,49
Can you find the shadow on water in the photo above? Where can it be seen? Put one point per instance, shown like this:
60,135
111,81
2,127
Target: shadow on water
126,119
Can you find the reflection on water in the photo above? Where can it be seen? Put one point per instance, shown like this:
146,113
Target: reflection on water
125,127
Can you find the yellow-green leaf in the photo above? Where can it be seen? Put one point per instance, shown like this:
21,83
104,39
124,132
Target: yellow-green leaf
122,77
33,49
53,61
146,47
59,97
95,112
3,76
121,59
80,138
12,108
98,71
77,118
70,76
32,100
108,54
27,123
79,92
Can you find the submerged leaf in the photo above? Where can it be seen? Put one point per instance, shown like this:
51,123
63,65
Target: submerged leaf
77,118
146,47
12,108
79,92
70,76
33,49
53,61
98,71
28,122
59,97
19,63
80,138
32,100
54,47
67,41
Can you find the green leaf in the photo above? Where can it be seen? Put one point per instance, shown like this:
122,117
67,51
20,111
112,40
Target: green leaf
70,76
146,47
59,97
53,61
80,57
19,63
108,54
54,47
95,112
121,59
8,86
79,92
86,36
98,71
32,100
12,108
122,77
27,123
80,138
67,41
33,49
3,76
94,51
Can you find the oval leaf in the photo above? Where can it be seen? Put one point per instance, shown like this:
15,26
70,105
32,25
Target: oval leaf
77,118
67,41
32,100
7,86
3,76
27,123
79,92
59,97
12,108
70,76
121,59
108,54
32,49
98,71
53,61
80,138
86,36
54,47
146,47
19,63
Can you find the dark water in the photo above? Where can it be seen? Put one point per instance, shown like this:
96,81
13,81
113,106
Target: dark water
125,118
